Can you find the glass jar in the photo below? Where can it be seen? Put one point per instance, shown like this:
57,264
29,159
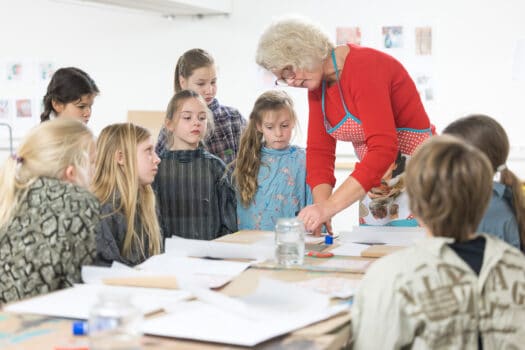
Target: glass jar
114,323
289,242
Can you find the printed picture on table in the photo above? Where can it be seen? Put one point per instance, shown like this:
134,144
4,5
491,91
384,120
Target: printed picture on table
15,71
393,37
424,41
45,70
4,108
23,108
346,35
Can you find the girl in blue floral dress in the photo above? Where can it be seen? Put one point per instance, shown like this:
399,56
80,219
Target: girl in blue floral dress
270,174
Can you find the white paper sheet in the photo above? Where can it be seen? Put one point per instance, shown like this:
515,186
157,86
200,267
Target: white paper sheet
189,272
349,249
247,321
357,265
336,287
402,236
177,246
76,302
194,272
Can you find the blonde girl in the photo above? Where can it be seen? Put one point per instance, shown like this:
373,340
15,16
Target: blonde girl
126,165
505,216
196,199
270,174
195,70
47,215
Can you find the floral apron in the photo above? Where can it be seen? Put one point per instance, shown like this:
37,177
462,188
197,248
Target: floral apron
387,204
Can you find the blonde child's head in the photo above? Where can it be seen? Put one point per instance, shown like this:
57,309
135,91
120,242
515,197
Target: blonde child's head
271,123
196,71
188,120
449,186
62,149
125,167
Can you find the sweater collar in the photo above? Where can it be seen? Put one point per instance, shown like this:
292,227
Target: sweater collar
185,156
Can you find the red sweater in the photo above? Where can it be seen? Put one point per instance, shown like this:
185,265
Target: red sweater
379,92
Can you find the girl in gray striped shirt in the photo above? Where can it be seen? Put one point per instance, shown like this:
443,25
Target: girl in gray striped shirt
196,199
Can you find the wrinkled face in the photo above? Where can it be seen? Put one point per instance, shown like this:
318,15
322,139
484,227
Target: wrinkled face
147,161
80,109
276,127
188,125
302,78
203,81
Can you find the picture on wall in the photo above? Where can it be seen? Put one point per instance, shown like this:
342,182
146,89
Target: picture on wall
23,108
393,37
424,41
15,71
45,70
346,35
4,109
424,86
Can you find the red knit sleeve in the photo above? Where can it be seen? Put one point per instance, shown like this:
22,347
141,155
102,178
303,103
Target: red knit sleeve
371,88
320,146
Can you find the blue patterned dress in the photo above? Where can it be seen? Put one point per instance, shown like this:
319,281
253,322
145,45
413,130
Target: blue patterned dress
282,189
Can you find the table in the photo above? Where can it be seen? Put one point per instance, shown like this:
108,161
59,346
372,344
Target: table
27,332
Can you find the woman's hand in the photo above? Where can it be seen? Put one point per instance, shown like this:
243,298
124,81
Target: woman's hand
314,216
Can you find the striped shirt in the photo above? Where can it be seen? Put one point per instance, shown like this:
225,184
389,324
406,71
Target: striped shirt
224,141
195,198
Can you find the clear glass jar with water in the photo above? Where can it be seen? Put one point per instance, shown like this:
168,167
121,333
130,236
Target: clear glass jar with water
114,323
289,241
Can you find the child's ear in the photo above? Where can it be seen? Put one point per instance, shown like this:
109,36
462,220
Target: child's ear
183,82
259,127
169,124
57,106
70,174
119,156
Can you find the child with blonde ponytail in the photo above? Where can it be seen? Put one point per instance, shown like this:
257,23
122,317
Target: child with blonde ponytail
47,215
126,165
270,174
505,216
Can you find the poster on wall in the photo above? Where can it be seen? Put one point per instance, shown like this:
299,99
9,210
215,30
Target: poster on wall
45,71
392,37
15,71
424,86
23,108
4,110
346,35
423,41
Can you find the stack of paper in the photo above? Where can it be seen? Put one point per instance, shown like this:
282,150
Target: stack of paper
274,309
399,236
176,246
165,271
77,301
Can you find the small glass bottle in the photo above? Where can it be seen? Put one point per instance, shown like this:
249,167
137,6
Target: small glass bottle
289,241
114,323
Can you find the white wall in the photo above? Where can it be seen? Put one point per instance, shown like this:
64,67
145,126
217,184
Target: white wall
132,56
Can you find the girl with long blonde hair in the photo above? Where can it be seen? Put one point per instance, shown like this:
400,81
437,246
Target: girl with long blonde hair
270,173
126,165
47,215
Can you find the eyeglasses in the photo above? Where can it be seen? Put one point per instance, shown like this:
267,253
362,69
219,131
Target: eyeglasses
287,77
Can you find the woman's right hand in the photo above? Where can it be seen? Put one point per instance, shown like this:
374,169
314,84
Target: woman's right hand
314,216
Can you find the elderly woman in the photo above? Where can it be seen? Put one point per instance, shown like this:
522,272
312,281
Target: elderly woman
355,94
